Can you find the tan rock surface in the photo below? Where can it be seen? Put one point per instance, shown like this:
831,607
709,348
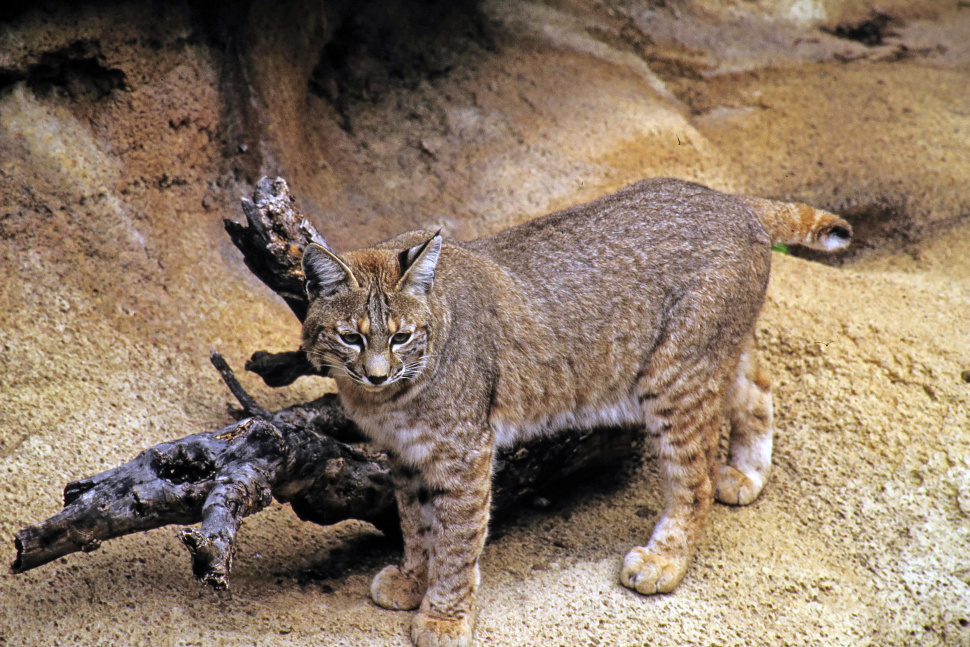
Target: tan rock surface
117,280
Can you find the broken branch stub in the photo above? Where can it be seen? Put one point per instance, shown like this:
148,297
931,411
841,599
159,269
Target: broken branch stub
281,369
273,242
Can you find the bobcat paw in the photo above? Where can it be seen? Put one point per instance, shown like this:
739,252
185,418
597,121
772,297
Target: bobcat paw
392,589
431,631
734,487
650,573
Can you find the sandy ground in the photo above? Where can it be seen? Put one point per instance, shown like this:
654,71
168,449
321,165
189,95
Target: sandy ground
117,280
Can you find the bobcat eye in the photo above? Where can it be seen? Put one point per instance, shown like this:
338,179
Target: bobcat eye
352,339
400,338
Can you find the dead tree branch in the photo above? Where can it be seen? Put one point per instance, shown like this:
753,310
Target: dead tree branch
273,242
218,478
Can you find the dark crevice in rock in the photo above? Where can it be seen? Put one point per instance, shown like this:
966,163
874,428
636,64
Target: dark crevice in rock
379,46
77,72
11,9
870,33
223,27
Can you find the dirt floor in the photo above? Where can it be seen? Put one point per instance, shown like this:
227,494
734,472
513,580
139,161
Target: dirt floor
129,130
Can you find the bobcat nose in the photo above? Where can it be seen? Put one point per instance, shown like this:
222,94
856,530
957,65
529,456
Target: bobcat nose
377,367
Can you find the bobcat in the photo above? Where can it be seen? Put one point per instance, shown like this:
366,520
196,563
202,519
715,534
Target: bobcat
638,307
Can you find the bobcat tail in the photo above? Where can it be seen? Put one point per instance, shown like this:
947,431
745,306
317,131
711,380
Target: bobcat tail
800,224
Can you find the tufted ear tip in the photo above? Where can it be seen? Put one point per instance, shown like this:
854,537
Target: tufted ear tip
420,262
324,273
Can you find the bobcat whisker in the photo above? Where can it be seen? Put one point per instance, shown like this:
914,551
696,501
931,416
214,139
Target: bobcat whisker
339,367
336,367
326,360
412,369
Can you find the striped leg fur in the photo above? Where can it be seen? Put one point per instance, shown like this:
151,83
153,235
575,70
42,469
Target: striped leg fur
689,418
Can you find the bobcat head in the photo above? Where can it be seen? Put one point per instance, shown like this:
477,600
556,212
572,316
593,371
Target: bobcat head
369,319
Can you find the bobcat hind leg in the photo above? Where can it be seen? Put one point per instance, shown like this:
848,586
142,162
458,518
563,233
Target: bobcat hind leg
748,408
688,418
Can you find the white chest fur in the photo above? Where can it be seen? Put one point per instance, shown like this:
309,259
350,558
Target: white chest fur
398,433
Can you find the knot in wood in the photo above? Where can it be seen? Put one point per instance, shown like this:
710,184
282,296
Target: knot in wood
335,467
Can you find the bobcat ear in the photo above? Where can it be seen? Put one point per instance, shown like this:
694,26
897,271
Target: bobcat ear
419,264
324,273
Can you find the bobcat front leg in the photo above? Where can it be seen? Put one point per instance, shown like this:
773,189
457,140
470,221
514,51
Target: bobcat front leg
403,587
457,503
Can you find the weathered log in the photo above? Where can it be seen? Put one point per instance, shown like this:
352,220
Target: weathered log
294,456
218,478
